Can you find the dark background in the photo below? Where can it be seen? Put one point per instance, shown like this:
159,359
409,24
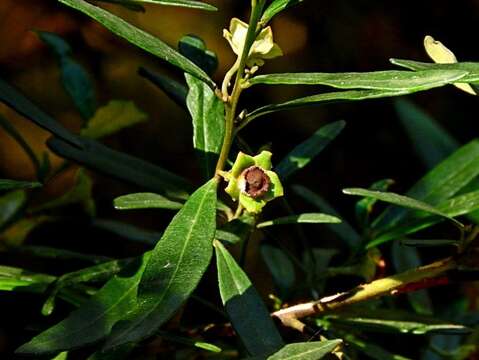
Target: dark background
326,36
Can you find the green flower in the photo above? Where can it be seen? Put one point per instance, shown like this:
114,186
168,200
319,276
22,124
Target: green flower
251,181
262,48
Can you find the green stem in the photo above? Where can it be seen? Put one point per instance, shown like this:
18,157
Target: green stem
232,101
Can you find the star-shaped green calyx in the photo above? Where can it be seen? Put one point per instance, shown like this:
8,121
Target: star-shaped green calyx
251,181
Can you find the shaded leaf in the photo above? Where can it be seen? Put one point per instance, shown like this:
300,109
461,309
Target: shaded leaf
145,201
92,321
10,204
6,184
75,79
207,112
313,350
174,269
407,258
307,218
371,350
244,306
113,117
364,207
139,38
400,200
432,142
189,342
128,231
194,48
302,154
344,230
175,90
280,267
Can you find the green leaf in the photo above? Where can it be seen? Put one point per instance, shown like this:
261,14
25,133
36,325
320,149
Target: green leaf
75,79
119,353
456,206
139,38
208,115
344,230
6,184
249,316
17,279
194,48
17,101
181,3
432,142
407,258
364,207
429,242
122,166
174,269
92,321
442,182
132,5
128,231
472,68
175,90
145,201
280,266
400,200
80,193
113,117
47,252
189,342
61,356
313,350
307,218
97,273
12,131
302,154
390,80
276,7
10,204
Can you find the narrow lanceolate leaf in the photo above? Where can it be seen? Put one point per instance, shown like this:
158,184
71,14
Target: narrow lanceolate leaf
432,142
175,90
122,166
364,207
308,218
276,7
139,38
145,201
113,117
391,80
247,312
17,101
314,350
349,95
207,112
75,79
400,200
92,321
181,3
441,183
344,230
6,184
472,68
174,269
456,206
302,154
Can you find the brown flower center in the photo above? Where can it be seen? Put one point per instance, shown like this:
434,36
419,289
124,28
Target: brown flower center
256,181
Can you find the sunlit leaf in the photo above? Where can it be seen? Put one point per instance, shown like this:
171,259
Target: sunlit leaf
247,312
307,218
139,38
276,7
313,350
192,4
113,117
302,154
175,267
145,201
364,207
207,112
